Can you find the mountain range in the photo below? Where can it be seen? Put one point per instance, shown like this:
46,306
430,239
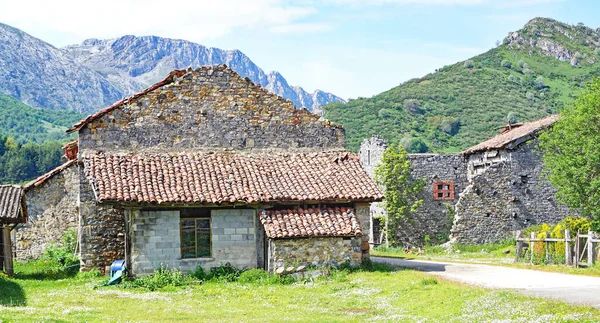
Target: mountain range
96,73
533,72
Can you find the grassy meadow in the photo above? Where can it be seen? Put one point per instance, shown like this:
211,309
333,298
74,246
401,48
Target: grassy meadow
379,294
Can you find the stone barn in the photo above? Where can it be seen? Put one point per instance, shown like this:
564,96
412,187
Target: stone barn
482,194
206,168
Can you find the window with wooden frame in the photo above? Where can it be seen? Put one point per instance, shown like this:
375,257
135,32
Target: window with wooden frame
443,190
195,238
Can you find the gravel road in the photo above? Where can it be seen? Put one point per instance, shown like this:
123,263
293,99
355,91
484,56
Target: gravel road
573,289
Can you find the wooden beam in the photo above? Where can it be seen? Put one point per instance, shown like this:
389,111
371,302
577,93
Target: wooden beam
7,251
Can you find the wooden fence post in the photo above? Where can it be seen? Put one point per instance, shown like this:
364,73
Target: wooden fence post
546,246
576,255
518,248
568,259
590,248
531,246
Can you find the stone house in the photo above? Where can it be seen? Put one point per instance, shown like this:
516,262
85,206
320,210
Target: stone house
482,194
206,168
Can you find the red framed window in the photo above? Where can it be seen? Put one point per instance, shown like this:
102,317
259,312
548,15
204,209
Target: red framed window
443,190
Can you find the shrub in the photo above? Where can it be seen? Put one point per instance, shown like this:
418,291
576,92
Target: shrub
449,126
506,64
414,145
162,277
63,255
512,118
413,106
530,96
514,79
522,63
224,272
527,71
384,113
254,276
539,83
469,64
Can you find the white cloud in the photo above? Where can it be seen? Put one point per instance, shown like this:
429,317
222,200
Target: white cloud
300,28
196,20
511,3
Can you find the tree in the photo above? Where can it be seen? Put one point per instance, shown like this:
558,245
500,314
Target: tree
469,64
512,118
414,145
571,153
539,83
393,174
506,64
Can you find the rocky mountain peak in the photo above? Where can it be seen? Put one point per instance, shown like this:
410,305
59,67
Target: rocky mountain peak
577,44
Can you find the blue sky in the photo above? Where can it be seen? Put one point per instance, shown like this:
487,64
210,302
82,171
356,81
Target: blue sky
351,48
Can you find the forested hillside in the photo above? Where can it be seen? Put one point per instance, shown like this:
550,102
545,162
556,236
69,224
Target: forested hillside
533,73
25,123
31,139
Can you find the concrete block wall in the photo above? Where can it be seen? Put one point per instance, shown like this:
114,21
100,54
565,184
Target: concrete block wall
155,237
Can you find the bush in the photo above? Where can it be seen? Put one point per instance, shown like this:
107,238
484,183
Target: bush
539,83
226,273
449,126
414,145
384,113
506,64
469,64
522,63
413,106
63,255
162,277
527,71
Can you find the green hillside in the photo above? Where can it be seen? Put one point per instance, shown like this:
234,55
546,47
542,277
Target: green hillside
533,73
27,124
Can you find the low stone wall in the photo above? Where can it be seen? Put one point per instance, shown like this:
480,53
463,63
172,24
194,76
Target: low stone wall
319,252
156,240
53,208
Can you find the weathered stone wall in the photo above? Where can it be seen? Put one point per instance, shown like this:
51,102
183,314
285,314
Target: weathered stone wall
53,208
370,153
155,238
212,107
102,229
433,219
507,194
319,252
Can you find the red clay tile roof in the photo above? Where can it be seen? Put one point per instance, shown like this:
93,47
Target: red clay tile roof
11,201
42,179
167,80
229,177
514,137
338,222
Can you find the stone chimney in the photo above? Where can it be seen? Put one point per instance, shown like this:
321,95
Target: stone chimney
71,149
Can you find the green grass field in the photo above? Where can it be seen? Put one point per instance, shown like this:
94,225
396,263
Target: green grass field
380,295
490,254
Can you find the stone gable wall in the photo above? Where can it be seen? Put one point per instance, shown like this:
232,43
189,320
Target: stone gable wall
508,193
209,108
53,208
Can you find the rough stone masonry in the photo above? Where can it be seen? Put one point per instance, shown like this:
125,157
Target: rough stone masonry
474,198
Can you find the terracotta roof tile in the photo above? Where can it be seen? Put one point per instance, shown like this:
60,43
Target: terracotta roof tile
229,177
43,178
519,134
11,198
334,222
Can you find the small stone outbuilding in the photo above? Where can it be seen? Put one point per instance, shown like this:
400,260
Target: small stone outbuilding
482,194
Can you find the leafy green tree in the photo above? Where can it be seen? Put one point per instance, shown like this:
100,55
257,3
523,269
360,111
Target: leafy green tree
506,64
400,190
539,83
571,153
414,145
